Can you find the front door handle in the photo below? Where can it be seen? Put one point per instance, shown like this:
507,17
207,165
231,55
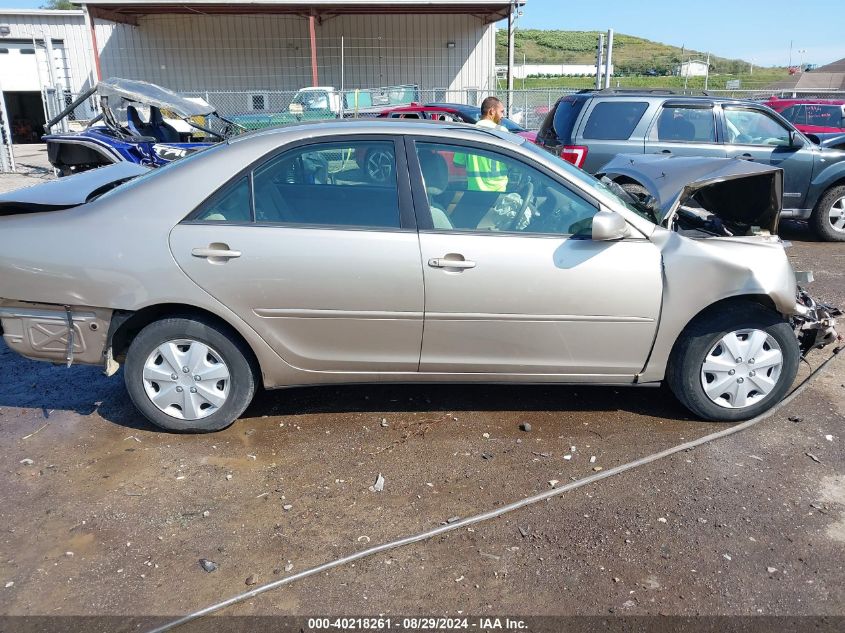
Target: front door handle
216,251
746,156
443,262
666,151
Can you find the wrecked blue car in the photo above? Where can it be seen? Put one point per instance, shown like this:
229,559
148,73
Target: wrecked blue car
138,122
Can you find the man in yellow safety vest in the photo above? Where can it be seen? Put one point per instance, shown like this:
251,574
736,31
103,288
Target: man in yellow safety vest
483,173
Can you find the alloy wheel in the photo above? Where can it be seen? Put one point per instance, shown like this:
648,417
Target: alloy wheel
836,215
379,166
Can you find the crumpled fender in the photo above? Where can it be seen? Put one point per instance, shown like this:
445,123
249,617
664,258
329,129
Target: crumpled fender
699,273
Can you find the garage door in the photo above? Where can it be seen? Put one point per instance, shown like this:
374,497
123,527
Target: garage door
23,66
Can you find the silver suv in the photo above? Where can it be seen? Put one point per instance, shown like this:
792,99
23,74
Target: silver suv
590,128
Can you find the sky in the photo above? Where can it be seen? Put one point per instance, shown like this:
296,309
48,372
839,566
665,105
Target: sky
758,31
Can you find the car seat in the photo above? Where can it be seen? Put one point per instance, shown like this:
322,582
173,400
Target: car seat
436,179
156,128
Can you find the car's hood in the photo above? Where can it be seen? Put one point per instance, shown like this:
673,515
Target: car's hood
68,192
830,141
151,94
739,192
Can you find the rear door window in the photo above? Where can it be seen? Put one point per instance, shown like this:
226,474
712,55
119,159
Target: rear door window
614,120
330,184
686,124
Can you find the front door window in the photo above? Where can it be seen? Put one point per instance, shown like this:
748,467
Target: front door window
752,127
471,189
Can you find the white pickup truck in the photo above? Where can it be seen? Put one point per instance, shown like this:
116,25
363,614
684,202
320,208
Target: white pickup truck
327,102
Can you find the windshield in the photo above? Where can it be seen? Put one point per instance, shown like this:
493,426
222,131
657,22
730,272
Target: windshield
312,99
606,189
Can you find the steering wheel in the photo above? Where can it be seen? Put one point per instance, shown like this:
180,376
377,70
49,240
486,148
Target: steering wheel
526,191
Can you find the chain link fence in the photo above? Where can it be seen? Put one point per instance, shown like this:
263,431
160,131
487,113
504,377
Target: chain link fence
527,107
261,108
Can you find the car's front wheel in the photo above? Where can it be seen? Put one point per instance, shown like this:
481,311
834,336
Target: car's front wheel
189,374
378,165
734,363
828,219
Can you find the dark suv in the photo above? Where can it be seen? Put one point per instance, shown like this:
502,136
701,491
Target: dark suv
590,128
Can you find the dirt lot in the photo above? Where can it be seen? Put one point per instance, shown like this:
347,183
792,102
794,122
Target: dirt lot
111,517
32,168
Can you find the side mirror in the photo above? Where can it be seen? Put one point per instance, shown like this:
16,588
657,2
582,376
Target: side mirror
795,139
609,226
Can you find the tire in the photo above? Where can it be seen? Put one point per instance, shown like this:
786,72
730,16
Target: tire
828,219
227,381
707,338
378,165
636,190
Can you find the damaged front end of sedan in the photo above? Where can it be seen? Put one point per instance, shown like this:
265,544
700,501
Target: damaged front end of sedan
814,322
702,197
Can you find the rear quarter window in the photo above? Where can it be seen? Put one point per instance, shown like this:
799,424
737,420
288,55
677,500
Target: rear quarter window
562,119
614,120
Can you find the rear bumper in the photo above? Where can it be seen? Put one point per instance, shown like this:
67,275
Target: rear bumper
44,332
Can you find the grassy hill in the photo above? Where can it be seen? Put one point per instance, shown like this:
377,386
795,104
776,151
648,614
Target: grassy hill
631,55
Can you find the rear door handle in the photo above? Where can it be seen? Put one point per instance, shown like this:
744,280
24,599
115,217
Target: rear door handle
442,262
666,151
218,253
746,157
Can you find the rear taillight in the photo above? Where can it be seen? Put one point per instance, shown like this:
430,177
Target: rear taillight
575,154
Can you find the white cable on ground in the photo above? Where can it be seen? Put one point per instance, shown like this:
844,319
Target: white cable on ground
491,514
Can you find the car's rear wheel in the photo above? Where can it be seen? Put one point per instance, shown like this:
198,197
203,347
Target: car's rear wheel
734,363
828,219
188,374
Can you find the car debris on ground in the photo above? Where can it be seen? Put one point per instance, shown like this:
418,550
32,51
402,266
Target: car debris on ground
208,565
378,486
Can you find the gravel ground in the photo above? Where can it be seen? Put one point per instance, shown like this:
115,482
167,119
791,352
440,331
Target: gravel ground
32,168
112,517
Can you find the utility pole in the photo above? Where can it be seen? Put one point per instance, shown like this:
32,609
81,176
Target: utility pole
608,62
599,50
707,71
511,28
681,63
790,54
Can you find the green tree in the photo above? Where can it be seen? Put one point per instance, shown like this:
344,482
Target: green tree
58,5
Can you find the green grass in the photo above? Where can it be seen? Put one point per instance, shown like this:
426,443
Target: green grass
759,80
631,55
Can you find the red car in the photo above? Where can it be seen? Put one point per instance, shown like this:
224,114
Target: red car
813,116
456,112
